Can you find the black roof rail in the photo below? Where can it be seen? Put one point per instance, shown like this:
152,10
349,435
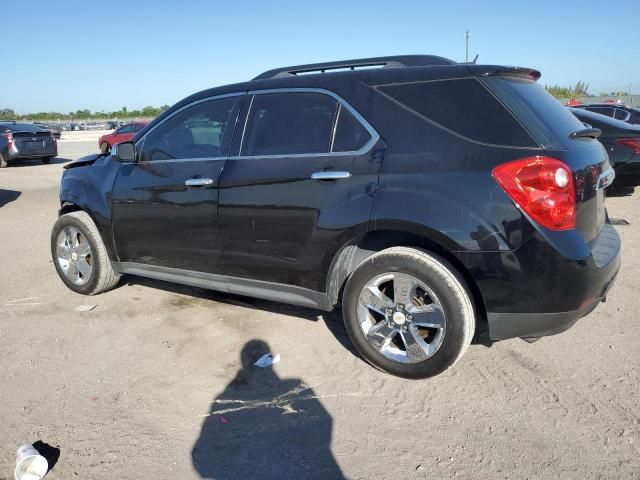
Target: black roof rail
383,62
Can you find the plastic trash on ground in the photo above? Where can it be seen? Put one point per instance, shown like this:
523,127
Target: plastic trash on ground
30,465
267,360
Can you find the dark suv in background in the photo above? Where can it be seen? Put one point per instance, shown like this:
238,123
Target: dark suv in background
422,196
617,111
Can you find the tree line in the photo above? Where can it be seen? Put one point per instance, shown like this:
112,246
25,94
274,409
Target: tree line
124,112
580,89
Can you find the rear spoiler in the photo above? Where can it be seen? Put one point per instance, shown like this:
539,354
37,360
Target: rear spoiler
501,70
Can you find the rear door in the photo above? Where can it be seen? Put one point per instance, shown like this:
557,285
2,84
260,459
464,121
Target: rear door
165,205
293,186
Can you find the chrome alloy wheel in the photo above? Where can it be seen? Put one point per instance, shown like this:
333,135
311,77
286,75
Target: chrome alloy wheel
401,317
74,256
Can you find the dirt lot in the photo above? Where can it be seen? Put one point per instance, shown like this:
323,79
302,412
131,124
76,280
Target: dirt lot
155,381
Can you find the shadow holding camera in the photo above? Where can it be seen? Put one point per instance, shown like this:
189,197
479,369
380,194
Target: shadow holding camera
264,426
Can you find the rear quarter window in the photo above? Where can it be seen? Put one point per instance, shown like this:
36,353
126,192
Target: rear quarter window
463,106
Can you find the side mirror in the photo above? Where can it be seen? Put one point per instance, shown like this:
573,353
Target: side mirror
125,152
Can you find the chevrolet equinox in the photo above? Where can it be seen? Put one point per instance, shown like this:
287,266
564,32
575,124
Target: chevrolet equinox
421,196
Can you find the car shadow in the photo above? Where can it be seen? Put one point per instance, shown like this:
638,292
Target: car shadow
227,298
8,196
624,191
264,426
30,162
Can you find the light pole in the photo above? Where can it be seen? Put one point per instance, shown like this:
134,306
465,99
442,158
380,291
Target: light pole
466,46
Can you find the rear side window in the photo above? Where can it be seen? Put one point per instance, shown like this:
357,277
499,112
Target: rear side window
621,115
350,133
463,106
125,129
289,123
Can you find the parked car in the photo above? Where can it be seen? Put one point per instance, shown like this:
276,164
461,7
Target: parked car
424,197
122,134
622,142
54,128
25,140
618,111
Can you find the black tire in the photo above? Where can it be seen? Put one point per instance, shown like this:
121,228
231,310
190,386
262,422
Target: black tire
448,286
105,147
3,162
102,277
46,160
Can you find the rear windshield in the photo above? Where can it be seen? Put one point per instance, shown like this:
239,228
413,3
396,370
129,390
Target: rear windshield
21,127
544,116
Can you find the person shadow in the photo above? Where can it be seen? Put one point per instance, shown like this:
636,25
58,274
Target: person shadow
265,427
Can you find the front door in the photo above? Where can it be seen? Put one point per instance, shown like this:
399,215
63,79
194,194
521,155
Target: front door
165,205
292,191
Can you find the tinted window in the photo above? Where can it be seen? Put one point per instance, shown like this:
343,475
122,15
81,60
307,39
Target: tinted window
544,116
350,133
137,127
125,129
463,106
195,132
621,115
608,111
289,123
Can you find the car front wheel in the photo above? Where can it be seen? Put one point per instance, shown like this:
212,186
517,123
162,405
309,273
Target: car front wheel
104,147
408,312
80,256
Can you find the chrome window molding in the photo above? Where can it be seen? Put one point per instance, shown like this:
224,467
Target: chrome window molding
374,137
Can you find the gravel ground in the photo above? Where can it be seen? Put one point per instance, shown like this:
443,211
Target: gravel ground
156,382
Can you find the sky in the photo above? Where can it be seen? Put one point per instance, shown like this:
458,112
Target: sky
66,55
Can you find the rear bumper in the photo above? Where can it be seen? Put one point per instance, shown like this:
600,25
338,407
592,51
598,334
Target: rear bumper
536,291
38,154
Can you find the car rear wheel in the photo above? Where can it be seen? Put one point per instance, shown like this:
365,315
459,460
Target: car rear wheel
408,312
104,147
3,162
80,256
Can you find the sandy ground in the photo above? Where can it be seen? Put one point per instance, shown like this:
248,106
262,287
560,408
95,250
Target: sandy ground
155,381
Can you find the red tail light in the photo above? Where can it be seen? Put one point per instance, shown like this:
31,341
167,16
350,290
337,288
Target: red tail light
630,142
542,187
9,138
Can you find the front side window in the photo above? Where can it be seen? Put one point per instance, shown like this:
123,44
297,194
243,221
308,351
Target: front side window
125,129
289,123
195,132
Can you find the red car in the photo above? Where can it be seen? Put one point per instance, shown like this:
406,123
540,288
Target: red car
122,134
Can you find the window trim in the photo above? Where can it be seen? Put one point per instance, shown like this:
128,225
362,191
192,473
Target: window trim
341,102
141,141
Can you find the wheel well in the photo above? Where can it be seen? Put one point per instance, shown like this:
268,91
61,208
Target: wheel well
68,207
358,250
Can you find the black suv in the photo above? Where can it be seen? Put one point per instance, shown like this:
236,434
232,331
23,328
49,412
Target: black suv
614,110
423,196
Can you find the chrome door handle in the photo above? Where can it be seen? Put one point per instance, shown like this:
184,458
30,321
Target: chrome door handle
198,182
329,175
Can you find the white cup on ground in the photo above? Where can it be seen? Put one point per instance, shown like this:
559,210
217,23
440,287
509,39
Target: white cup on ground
30,465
